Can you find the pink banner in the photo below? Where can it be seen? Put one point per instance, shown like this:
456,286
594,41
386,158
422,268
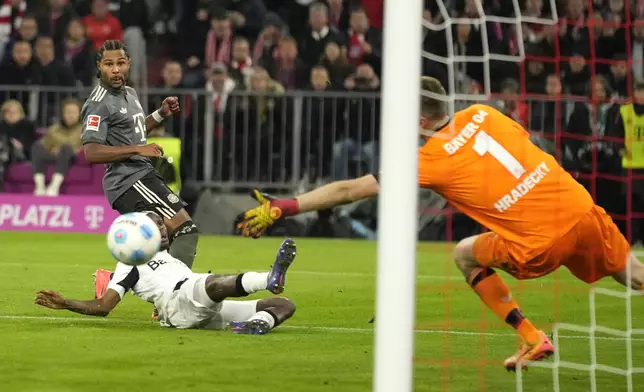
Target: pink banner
68,214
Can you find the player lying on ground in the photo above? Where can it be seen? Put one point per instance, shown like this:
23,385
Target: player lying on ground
190,300
540,218
114,132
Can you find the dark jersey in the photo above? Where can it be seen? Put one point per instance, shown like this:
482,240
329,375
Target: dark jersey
115,118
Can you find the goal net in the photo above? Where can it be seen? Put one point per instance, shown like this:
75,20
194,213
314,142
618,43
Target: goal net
542,63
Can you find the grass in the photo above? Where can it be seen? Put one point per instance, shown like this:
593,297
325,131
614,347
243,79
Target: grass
327,346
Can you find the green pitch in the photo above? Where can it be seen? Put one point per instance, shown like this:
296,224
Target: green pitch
327,346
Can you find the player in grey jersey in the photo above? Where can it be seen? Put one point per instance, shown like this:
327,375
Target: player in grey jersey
114,133
189,300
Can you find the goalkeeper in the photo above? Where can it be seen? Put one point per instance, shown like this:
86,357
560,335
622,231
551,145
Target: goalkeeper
539,217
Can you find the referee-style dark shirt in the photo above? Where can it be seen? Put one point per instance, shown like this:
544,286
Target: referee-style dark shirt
115,117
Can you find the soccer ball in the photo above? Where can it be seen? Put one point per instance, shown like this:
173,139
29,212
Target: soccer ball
133,239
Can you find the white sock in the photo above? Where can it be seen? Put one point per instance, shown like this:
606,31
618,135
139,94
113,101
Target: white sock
264,316
253,282
39,181
54,186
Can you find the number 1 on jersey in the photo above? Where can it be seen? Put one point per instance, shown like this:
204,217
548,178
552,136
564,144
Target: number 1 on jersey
485,144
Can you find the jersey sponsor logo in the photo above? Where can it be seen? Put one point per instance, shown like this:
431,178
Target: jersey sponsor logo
530,181
466,133
172,198
124,110
154,264
93,122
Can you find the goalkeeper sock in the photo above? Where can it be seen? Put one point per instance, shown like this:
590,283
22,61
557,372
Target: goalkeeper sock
496,295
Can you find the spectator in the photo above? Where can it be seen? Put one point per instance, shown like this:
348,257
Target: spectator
320,122
246,16
269,38
220,85
193,44
28,31
318,35
628,128
21,131
468,42
58,147
219,39
241,63
549,116
591,118
363,42
54,21
358,146
336,62
286,67
78,53
511,104
534,32
637,50
616,7
54,71
265,142
339,14
576,75
618,76
536,71
219,88
13,11
375,10
172,79
102,25
133,16
21,69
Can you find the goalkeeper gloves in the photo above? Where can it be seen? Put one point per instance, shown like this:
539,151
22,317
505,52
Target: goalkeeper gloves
256,221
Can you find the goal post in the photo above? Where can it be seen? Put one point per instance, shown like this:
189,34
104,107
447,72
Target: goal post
397,207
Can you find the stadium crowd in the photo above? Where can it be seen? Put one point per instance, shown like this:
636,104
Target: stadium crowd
248,60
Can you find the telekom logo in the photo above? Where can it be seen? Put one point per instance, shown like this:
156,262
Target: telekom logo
94,216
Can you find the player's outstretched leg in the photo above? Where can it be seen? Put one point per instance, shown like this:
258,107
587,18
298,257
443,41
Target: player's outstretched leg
271,312
496,295
637,274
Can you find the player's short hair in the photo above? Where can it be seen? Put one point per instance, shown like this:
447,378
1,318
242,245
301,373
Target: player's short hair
154,214
110,44
431,106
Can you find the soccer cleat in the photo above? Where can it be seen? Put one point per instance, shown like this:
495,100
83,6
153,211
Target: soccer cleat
250,327
155,314
101,280
277,276
530,353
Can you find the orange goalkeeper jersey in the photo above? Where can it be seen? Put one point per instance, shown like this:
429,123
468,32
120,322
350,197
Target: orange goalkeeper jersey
485,164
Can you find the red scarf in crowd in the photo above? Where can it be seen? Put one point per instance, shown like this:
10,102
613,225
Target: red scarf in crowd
217,51
355,50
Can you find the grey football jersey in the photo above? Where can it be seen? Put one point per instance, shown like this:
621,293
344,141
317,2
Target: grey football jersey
116,118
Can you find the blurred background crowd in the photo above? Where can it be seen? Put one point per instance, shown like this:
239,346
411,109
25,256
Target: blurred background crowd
284,94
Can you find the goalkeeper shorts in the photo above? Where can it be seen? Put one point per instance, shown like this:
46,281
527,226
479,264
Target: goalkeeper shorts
594,248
